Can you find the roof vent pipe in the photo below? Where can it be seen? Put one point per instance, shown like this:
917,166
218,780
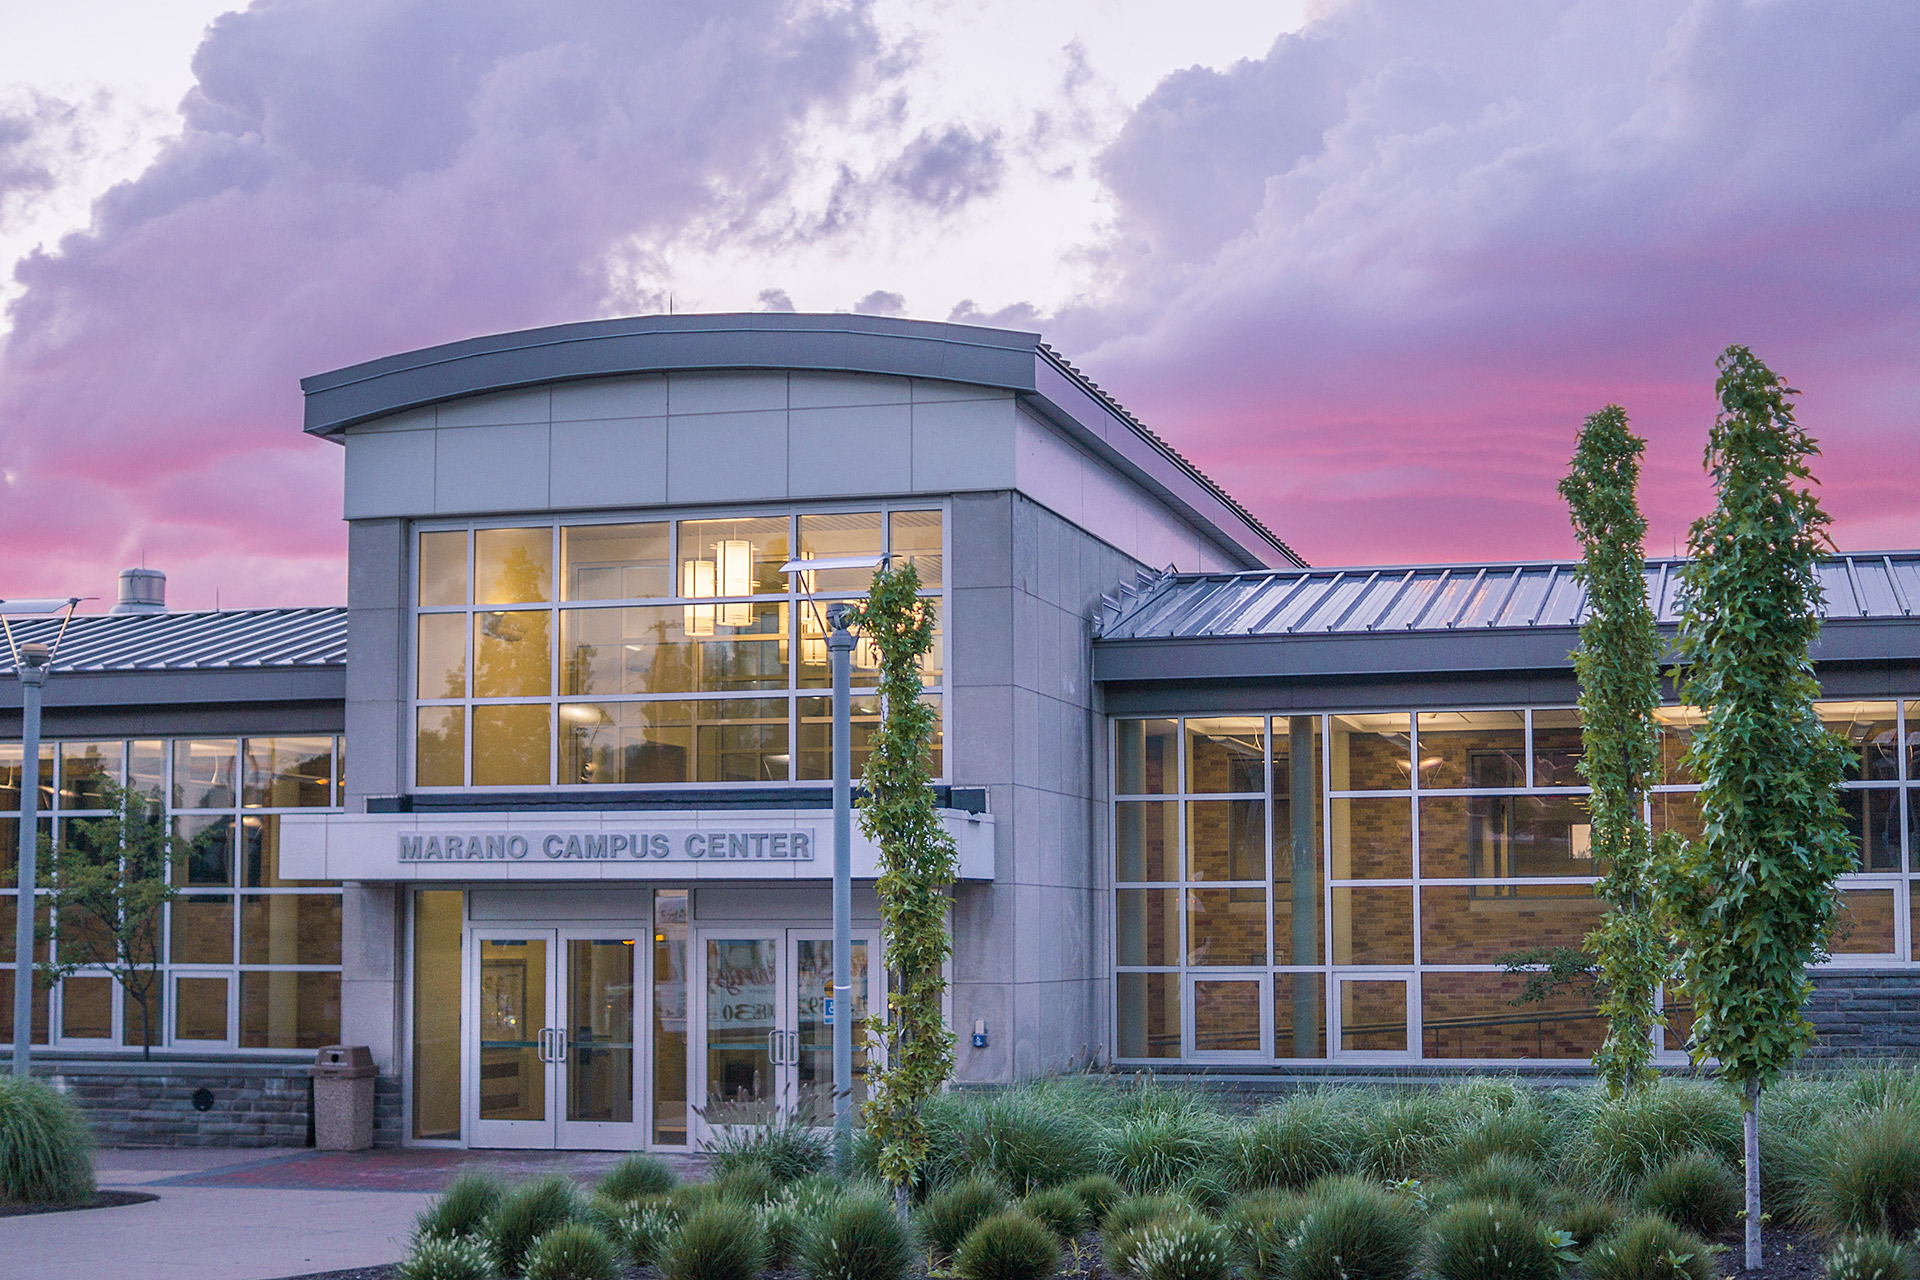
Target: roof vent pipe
142,591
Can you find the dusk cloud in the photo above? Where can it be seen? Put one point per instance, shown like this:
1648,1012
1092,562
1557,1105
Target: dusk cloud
356,177
38,135
1376,278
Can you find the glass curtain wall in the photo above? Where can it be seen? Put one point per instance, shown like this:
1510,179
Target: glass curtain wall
250,959
1287,887
662,653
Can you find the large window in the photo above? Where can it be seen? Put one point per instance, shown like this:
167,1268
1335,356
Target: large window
251,959
1291,887
648,652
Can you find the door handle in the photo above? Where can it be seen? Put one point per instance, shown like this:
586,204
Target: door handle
793,1048
540,1046
773,1049
559,1044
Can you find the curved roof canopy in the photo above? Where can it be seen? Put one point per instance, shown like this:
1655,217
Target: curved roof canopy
1003,358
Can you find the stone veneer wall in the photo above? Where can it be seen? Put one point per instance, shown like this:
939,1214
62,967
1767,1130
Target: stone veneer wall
1867,1015
150,1104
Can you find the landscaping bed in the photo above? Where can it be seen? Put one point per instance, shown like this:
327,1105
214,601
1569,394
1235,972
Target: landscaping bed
101,1200
1484,1179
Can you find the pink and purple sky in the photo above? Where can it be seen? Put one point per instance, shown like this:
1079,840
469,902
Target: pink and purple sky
1367,263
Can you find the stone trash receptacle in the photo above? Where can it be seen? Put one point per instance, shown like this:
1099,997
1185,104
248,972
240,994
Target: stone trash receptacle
343,1098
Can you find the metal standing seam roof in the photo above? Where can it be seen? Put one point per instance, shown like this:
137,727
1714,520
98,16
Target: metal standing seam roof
233,639
1403,599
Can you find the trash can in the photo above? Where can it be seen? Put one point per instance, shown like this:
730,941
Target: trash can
343,1098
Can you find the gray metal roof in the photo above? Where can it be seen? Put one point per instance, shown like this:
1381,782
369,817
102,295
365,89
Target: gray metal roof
1003,358
229,640
1392,600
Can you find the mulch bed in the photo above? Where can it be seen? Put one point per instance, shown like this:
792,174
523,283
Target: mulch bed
1791,1255
103,1200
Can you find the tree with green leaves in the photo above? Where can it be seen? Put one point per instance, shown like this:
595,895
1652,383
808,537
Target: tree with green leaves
917,867
107,883
1618,665
1752,899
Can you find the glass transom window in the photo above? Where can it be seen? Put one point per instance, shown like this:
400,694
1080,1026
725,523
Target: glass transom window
647,652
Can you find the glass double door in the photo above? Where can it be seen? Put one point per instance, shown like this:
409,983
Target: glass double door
554,1059
764,1010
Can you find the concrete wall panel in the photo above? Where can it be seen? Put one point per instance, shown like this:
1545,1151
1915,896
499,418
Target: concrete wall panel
490,468
618,462
723,457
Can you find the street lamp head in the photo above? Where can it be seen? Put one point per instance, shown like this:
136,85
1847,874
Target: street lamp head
37,608
35,654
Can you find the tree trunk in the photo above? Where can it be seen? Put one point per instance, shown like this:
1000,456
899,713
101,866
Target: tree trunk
1752,1125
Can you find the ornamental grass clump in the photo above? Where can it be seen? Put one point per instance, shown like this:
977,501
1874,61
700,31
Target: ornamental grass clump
1407,1137
1649,1248
1867,1178
637,1176
574,1251
1057,1209
1098,1192
946,1217
1304,1138
783,1145
1587,1221
1259,1226
1521,1131
463,1208
859,1238
1137,1211
447,1258
1355,1230
1870,1257
1007,1246
1496,1240
526,1213
1188,1248
1695,1191
1159,1152
641,1231
720,1240
46,1149
1613,1146
1016,1135
752,1183
789,1216
1512,1179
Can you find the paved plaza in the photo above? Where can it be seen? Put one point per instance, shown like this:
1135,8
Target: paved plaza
255,1215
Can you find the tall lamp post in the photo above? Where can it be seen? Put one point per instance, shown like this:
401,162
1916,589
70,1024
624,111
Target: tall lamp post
840,648
31,662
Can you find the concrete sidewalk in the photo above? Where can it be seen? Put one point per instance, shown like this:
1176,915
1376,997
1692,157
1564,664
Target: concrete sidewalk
255,1215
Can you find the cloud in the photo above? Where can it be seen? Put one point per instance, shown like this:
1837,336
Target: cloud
881,303
1376,278
39,136
946,169
775,300
352,178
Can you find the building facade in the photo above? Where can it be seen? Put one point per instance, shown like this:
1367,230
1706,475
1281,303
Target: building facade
541,817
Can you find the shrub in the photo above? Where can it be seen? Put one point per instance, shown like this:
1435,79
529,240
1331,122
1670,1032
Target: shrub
1290,1145
1160,1152
1057,1209
46,1149
1098,1193
946,1217
637,1176
1354,1230
1137,1211
1587,1221
718,1241
1501,1177
447,1258
860,1238
1614,1145
1493,1240
1871,1257
574,1251
463,1208
1694,1191
1260,1225
526,1213
1870,1181
782,1144
1007,1246
1649,1248
1189,1248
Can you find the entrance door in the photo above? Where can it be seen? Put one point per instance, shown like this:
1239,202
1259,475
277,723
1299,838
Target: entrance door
554,1061
1375,1017
764,1014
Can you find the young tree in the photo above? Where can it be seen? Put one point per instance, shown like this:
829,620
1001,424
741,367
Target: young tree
1618,663
916,871
107,882
1751,901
